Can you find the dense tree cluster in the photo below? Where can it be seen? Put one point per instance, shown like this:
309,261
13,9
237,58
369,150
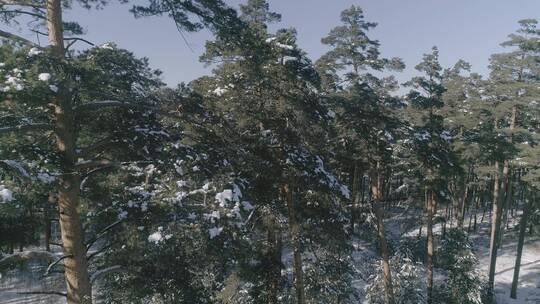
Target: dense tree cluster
272,180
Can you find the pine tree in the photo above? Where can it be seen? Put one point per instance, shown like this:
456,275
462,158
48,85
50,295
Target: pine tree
431,142
358,94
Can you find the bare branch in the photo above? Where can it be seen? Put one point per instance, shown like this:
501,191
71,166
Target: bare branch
50,267
18,38
26,3
96,105
79,39
102,233
97,252
58,293
39,16
105,163
83,152
100,273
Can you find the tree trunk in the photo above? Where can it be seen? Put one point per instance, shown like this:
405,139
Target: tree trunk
521,240
355,195
47,215
274,260
462,203
507,201
476,211
430,206
495,226
507,179
294,229
381,233
78,285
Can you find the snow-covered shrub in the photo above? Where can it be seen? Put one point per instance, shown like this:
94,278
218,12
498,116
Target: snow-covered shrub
415,248
464,284
407,280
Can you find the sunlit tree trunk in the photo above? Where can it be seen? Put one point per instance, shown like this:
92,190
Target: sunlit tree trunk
75,264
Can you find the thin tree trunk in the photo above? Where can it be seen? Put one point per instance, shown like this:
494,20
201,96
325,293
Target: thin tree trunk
462,203
521,240
355,196
476,211
429,219
78,285
381,233
294,228
507,201
507,180
274,259
47,215
495,226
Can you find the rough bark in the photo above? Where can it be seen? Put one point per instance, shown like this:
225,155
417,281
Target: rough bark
294,229
75,267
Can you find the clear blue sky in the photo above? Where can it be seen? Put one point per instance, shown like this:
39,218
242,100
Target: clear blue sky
468,29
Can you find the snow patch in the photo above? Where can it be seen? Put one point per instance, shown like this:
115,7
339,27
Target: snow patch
213,232
6,195
44,77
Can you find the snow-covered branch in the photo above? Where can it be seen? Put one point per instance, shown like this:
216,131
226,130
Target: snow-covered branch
26,127
16,167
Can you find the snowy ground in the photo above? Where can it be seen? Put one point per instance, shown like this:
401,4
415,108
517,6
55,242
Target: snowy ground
529,276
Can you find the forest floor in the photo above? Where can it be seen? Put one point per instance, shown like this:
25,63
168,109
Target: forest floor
529,277
364,255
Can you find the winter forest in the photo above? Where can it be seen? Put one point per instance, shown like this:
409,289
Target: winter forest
277,178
